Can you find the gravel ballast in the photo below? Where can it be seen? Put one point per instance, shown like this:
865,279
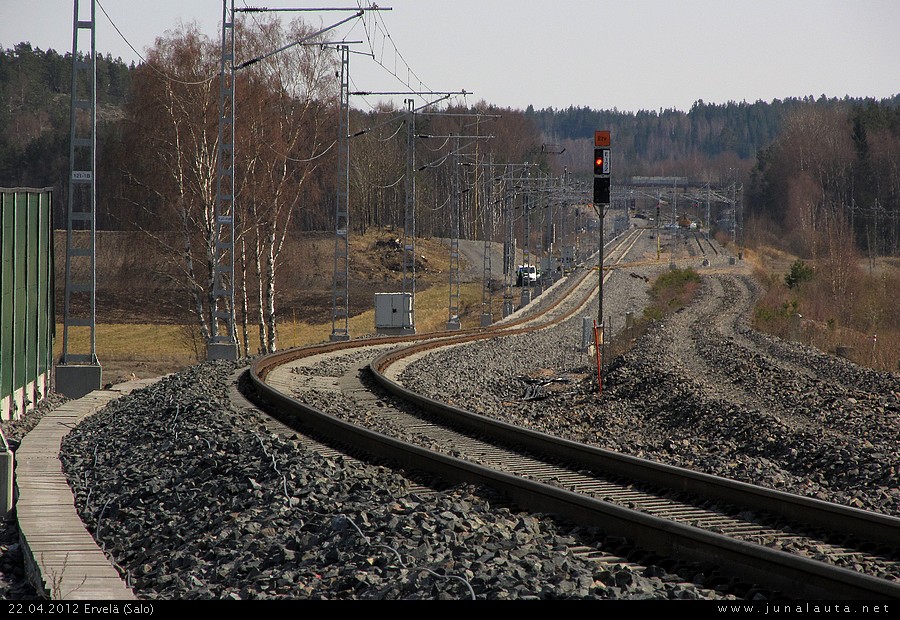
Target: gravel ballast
700,390
206,503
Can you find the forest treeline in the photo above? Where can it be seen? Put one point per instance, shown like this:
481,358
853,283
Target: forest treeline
701,142
705,142
35,114
814,170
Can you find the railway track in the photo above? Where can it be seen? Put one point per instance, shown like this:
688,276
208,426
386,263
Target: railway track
672,511
700,239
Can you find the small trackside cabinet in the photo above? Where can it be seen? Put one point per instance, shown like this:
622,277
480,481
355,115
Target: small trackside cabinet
393,310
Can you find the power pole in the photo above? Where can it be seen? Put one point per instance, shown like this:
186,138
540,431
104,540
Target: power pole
525,297
455,213
733,214
488,197
708,224
549,274
509,244
80,373
340,296
223,337
223,342
409,216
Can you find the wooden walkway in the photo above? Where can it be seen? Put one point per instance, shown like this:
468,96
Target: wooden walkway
61,558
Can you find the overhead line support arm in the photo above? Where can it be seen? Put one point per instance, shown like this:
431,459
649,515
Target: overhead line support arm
263,9
247,63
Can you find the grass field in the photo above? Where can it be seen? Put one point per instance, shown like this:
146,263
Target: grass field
147,349
141,330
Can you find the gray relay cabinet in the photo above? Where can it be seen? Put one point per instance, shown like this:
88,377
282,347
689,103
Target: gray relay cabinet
393,313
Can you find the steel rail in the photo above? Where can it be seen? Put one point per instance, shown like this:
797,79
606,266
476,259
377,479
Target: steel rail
875,527
869,526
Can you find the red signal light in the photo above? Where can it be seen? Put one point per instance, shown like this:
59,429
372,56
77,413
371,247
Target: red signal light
598,161
601,165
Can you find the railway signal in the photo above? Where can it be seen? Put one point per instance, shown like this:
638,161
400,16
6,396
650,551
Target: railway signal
601,167
601,199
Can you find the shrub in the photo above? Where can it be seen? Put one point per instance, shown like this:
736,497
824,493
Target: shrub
800,273
672,291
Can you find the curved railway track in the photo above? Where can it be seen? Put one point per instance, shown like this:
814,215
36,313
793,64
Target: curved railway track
742,528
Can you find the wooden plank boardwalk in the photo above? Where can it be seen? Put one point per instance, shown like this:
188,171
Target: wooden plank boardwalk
61,558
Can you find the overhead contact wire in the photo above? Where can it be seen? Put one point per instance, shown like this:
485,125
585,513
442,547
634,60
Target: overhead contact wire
144,60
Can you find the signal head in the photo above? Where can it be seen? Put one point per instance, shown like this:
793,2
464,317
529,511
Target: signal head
601,161
598,161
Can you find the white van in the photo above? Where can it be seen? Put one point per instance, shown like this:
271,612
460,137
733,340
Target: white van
526,273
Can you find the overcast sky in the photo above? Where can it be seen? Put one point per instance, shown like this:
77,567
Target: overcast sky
627,54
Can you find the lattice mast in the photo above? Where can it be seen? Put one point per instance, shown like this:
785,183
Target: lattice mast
340,295
81,284
223,342
455,212
79,373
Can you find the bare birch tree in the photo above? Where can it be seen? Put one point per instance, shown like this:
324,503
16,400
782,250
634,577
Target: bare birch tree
284,120
288,128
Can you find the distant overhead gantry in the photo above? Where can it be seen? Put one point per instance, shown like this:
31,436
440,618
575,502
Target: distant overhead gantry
692,194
